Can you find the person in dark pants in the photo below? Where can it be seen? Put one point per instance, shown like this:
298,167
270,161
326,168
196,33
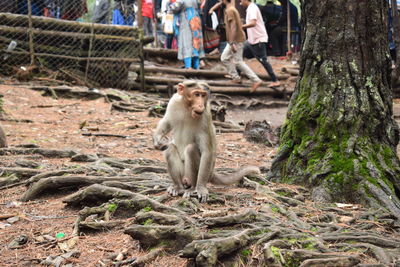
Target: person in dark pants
277,34
257,38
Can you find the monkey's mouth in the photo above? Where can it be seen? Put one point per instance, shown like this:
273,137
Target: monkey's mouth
197,114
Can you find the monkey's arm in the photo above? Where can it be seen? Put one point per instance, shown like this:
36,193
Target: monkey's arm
207,146
159,135
205,171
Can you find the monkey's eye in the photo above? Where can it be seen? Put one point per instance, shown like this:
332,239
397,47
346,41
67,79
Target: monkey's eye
197,94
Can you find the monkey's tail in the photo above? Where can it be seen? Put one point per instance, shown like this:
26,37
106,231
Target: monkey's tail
227,179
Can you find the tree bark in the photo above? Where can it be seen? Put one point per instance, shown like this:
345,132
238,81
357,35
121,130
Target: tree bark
339,137
396,37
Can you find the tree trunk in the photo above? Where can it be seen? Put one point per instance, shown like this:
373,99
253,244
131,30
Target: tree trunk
340,137
396,37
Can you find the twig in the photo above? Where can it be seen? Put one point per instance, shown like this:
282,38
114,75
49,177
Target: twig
39,217
105,135
6,216
12,185
53,93
57,106
17,120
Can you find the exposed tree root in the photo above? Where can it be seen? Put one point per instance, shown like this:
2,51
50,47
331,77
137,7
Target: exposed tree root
52,184
175,237
245,217
338,261
158,218
101,225
363,238
141,261
207,252
50,153
281,228
43,175
22,173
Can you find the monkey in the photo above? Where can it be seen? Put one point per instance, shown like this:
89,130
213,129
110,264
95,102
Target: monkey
191,153
3,141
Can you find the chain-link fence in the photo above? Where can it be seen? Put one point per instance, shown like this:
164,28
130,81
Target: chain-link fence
60,36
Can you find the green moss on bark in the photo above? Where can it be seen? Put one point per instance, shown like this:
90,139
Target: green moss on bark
339,134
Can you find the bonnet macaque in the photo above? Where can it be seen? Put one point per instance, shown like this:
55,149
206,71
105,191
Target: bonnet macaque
191,153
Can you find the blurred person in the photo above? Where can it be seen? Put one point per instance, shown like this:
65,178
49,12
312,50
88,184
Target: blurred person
148,17
232,56
122,13
189,31
277,35
167,18
73,9
211,36
271,14
101,12
257,38
219,9
37,7
117,14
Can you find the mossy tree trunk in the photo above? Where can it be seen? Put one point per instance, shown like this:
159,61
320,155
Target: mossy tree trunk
340,137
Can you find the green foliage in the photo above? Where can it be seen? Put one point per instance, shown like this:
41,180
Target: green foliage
275,252
148,222
147,209
245,253
260,232
112,207
274,208
309,246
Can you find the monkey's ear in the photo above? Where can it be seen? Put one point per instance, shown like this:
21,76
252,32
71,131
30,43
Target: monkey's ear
181,88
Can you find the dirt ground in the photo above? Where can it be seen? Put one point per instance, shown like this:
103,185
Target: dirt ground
57,124
60,124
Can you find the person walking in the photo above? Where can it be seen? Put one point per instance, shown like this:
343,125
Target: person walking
257,37
101,12
189,31
232,56
147,14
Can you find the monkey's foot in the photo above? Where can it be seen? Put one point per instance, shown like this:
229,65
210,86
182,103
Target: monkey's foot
175,190
202,194
188,193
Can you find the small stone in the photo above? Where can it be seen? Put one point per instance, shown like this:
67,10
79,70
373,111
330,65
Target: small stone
13,219
120,257
4,225
18,242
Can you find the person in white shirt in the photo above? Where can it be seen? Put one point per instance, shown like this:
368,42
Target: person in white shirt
257,37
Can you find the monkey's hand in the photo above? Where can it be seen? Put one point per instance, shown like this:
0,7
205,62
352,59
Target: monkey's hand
174,190
160,143
202,193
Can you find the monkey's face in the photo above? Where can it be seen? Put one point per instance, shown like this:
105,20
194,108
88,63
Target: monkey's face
197,102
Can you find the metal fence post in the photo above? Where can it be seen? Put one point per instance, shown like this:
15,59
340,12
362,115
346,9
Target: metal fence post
89,52
141,56
30,33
